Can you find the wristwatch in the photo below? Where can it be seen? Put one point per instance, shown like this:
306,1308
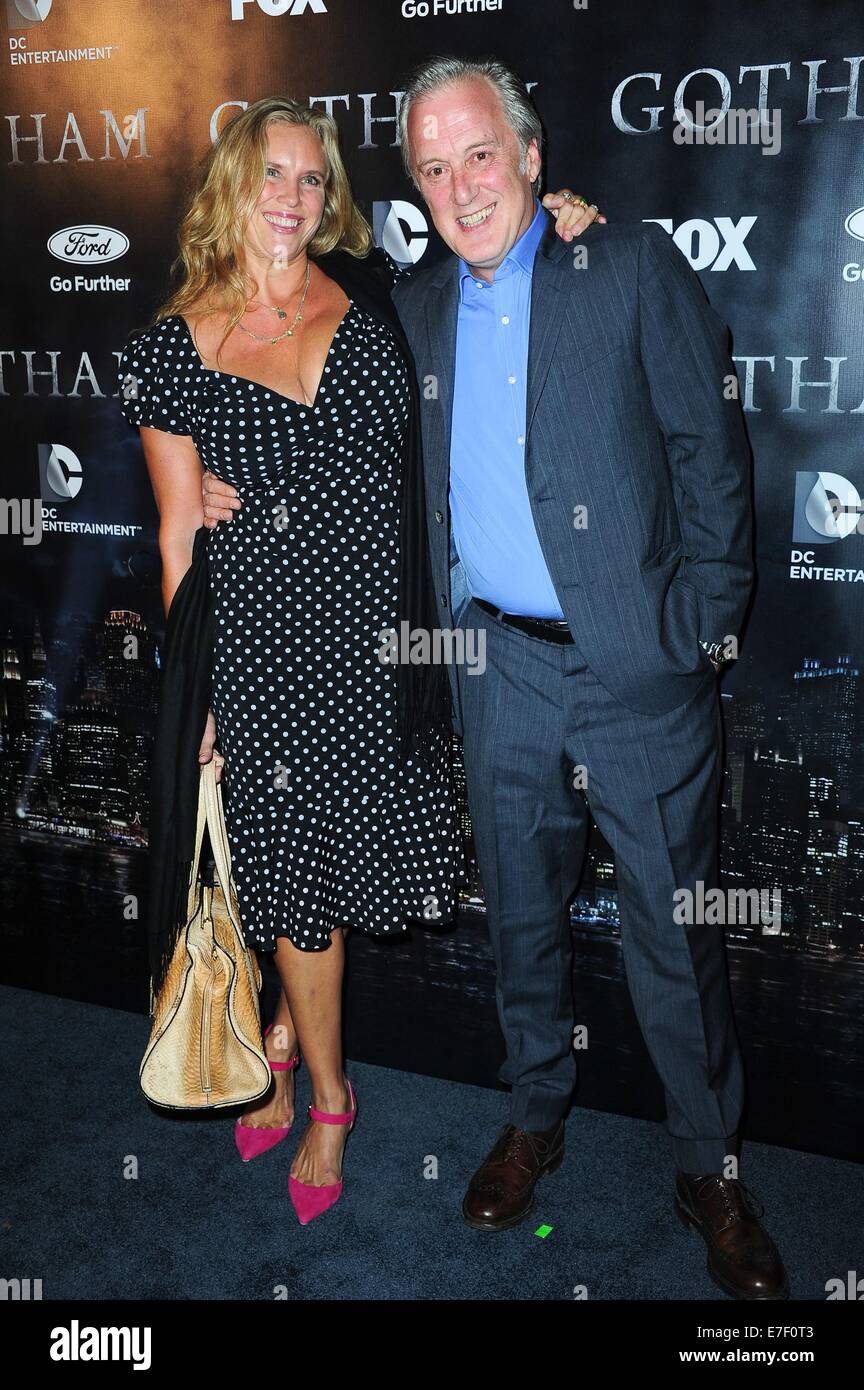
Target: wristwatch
716,652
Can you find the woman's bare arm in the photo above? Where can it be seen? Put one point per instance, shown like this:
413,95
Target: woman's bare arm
175,475
175,471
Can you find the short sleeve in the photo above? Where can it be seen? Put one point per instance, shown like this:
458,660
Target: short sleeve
148,394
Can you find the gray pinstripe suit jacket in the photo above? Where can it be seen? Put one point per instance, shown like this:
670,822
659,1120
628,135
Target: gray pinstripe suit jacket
628,418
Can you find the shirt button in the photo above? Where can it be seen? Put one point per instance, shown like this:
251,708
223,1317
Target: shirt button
511,379
521,439
505,318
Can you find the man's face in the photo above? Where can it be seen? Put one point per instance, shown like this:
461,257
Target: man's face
466,162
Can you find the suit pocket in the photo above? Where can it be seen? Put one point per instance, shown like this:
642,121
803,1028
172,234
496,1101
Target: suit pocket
681,624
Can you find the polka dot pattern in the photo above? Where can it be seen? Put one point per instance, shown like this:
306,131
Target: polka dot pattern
324,829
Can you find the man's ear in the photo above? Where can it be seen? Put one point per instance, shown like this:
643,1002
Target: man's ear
533,161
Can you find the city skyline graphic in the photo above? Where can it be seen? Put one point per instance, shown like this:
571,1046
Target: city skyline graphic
77,717
77,720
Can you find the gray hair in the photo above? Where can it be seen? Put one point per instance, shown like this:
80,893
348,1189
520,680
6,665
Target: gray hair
445,71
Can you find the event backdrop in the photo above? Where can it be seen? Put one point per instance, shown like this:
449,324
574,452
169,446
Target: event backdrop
108,110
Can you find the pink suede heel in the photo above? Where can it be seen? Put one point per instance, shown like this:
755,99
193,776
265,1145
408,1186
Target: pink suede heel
309,1201
254,1141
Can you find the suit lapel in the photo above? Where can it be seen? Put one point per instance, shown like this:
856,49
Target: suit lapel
441,308
548,304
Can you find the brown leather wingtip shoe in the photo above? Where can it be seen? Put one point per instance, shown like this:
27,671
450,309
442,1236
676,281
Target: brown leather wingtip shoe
743,1260
501,1192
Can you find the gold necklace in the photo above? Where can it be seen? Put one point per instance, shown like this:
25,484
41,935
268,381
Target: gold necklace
289,332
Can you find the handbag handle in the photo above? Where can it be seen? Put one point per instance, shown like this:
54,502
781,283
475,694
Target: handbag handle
199,841
212,796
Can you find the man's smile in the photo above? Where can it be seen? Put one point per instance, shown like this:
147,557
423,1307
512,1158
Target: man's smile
476,219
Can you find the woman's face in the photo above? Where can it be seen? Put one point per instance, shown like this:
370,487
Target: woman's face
291,204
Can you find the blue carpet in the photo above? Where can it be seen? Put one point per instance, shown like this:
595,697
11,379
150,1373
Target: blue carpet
193,1222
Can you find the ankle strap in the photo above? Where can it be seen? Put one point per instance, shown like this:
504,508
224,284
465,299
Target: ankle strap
281,1066
345,1118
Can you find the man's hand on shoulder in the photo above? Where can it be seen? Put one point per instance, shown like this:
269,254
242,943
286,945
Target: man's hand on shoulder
220,500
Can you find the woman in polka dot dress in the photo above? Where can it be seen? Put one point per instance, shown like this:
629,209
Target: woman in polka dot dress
263,370
303,407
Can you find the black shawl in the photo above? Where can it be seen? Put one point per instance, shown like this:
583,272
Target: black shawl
186,673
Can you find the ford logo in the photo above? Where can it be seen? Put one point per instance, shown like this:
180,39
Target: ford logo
88,245
855,224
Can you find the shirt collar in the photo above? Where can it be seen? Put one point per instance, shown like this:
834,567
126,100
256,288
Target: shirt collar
520,256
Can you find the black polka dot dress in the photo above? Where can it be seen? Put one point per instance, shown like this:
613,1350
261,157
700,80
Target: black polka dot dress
323,829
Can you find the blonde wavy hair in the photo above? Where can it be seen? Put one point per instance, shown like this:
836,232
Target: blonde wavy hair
211,260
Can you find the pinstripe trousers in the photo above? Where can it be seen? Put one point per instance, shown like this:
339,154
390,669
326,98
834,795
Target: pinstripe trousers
652,785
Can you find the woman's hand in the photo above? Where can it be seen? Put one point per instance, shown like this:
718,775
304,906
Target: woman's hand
572,213
208,746
219,499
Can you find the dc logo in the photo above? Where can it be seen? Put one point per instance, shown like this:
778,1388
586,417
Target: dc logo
34,11
718,245
60,472
401,229
827,508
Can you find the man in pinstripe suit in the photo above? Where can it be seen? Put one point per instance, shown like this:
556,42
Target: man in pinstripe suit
588,506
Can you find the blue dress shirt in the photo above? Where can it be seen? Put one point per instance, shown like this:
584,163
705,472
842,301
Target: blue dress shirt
493,526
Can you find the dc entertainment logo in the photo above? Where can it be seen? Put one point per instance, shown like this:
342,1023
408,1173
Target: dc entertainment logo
401,229
60,473
21,13
827,508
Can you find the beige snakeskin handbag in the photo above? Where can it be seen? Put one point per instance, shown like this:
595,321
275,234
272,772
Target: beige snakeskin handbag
205,1048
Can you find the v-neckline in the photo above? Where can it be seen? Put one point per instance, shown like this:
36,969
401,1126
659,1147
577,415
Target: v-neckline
235,376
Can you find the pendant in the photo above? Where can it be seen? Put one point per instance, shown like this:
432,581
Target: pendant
282,314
